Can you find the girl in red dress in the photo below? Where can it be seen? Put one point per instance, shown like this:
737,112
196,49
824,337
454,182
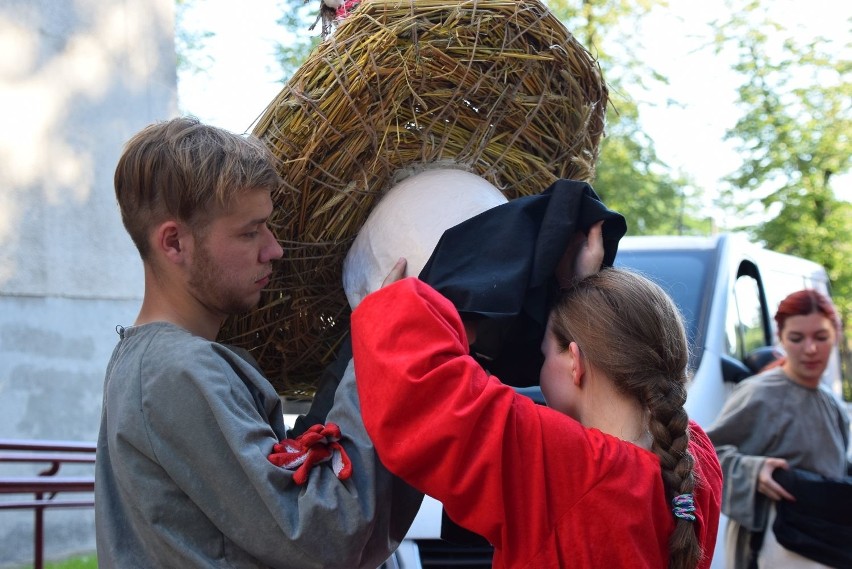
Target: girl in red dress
611,473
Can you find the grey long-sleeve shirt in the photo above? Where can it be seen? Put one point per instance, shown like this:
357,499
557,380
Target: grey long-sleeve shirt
183,480
769,415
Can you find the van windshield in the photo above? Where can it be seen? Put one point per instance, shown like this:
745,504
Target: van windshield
684,275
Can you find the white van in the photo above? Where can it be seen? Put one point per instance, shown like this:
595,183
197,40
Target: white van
728,290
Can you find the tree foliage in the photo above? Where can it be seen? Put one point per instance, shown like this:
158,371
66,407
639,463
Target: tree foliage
299,19
631,177
794,140
189,41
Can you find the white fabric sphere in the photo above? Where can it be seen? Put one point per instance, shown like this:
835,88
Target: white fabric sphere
408,222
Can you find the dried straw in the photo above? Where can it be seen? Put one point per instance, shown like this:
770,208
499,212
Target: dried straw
496,87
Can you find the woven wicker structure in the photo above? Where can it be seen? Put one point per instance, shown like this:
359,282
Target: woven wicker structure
496,87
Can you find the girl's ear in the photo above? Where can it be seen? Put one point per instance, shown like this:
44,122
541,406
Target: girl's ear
578,365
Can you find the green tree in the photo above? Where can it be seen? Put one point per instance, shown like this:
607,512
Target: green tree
189,41
303,30
794,140
631,177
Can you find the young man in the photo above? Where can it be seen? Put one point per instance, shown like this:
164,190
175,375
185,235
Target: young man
183,476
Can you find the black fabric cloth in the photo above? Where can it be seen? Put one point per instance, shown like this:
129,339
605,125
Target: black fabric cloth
326,388
818,525
499,268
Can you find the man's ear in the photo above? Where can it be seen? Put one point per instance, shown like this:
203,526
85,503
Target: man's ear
170,240
578,364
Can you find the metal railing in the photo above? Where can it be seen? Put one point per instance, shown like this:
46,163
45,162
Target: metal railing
45,487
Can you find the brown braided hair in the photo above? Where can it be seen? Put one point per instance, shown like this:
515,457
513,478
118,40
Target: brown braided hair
629,329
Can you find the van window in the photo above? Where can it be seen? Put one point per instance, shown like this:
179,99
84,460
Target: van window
745,325
684,275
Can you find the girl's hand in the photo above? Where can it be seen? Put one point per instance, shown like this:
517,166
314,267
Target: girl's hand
767,485
396,273
583,256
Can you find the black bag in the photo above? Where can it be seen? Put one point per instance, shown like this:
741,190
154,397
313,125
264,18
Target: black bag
818,525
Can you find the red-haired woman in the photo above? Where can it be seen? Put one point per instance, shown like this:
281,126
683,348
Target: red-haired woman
786,418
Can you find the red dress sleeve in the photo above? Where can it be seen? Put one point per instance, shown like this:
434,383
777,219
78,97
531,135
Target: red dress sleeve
433,416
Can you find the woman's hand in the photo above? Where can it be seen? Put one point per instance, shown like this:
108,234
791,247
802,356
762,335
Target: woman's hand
583,256
396,273
590,257
767,485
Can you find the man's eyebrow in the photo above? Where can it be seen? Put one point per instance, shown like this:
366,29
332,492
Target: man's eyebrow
257,221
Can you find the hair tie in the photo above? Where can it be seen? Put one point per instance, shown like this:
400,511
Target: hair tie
683,507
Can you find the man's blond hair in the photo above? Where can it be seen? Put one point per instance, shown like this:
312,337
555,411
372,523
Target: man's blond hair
184,170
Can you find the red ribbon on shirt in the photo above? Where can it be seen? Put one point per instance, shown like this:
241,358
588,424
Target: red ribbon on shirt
320,443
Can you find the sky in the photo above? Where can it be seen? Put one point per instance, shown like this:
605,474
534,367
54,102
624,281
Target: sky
243,76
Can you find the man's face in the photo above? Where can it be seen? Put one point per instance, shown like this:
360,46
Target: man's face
232,256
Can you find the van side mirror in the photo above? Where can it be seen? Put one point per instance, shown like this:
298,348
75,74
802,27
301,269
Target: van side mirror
733,370
759,358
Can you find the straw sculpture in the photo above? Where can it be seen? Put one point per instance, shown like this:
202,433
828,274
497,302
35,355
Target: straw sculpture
499,88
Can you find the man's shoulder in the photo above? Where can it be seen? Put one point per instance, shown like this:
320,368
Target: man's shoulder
163,361
164,343
161,348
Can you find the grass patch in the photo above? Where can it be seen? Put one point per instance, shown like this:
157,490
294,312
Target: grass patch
81,562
